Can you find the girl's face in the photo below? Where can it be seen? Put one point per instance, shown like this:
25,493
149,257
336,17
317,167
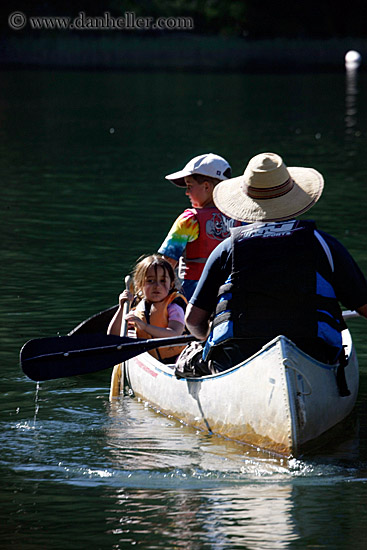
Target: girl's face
200,194
157,284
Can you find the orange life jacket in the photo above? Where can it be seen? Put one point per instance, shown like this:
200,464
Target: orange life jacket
214,227
158,316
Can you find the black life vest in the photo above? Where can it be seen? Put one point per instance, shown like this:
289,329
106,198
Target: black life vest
281,283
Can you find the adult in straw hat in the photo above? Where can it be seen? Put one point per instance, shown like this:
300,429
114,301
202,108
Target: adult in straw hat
276,275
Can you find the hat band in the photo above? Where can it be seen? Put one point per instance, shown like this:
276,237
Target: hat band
270,192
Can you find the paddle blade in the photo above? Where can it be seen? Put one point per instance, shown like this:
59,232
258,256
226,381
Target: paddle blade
51,358
98,323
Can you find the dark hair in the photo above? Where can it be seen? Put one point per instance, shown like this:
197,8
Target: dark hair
141,269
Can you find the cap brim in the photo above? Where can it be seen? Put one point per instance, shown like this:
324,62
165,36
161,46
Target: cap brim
232,200
178,178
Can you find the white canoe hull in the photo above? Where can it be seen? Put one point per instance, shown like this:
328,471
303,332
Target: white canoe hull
279,399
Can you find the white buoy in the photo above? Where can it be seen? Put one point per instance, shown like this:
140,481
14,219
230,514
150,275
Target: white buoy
352,59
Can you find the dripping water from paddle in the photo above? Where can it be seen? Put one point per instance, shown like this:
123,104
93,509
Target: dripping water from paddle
36,403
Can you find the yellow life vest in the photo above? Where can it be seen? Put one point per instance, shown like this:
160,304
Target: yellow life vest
158,316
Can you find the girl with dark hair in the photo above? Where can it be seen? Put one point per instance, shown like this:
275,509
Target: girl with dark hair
158,307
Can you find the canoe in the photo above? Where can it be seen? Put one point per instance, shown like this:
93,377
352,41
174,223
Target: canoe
278,400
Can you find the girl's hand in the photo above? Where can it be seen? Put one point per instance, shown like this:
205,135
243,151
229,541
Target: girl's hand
125,296
133,320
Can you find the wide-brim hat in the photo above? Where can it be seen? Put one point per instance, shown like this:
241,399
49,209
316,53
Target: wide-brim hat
209,164
269,191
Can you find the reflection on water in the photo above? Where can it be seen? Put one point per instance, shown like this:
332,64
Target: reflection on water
351,110
251,516
258,517
154,442
209,495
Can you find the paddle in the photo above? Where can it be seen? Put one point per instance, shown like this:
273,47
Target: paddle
118,373
63,356
100,321
95,324
60,357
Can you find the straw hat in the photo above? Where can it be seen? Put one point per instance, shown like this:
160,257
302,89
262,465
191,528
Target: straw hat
268,190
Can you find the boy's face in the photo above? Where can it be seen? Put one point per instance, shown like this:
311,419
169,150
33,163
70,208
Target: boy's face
200,194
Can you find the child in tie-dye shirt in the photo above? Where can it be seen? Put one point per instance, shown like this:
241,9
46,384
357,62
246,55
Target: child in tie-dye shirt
198,230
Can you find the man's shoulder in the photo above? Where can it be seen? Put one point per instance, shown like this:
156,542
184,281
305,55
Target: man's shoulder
333,242
222,251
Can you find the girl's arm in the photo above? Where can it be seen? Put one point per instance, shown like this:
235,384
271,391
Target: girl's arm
174,327
115,324
176,323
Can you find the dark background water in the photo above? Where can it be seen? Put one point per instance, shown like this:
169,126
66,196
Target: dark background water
83,157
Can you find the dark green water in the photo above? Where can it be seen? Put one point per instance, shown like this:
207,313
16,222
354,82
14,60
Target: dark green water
83,158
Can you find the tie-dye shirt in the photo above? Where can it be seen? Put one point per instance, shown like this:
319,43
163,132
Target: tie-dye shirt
184,230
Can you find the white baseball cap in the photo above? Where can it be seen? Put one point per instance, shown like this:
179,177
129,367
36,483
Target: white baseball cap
209,164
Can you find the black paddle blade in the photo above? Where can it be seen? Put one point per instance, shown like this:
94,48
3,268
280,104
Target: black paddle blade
98,323
51,358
